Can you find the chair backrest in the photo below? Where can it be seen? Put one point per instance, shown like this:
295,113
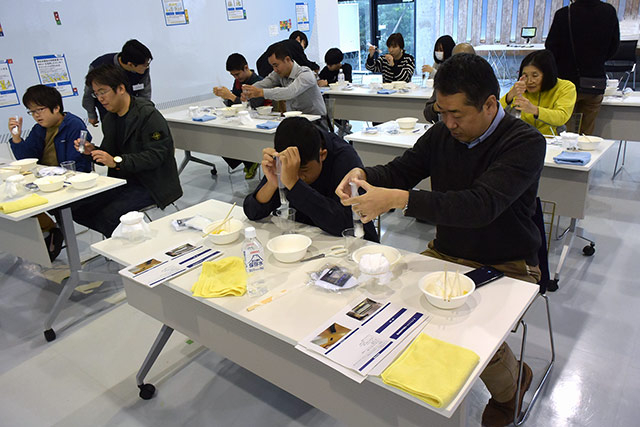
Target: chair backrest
626,51
574,122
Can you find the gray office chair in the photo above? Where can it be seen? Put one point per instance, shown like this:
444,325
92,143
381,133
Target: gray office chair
624,61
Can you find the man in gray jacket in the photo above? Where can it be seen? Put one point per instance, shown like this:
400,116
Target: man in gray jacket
137,146
288,82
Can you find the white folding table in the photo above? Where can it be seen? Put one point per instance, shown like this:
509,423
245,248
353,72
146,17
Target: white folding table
263,340
21,236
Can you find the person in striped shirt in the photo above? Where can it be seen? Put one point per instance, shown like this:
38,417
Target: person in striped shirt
397,65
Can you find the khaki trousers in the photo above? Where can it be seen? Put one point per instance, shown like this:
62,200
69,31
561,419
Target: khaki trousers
501,374
589,105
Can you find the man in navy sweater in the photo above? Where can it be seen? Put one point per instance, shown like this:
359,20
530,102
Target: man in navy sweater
484,168
313,163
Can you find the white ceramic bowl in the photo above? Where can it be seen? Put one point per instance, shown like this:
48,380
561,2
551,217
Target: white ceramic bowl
25,164
6,171
264,110
399,84
387,85
428,286
292,113
407,122
50,183
229,234
82,181
226,112
588,143
289,247
391,254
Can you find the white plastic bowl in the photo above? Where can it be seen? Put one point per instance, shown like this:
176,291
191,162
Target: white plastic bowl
289,247
391,254
229,234
588,143
399,84
237,106
387,86
429,83
334,85
7,171
407,122
427,283
50,183
264,110
25,164
226,112
82,181
292,113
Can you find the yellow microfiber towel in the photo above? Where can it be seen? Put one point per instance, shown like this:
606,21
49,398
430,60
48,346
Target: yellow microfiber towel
224,277
431,370
24,203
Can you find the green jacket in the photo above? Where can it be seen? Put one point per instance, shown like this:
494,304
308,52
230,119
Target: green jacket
148,156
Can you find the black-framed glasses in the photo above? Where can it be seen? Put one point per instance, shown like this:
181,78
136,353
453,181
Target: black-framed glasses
100,93
36,111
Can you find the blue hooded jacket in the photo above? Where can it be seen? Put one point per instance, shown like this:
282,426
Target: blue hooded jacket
69,131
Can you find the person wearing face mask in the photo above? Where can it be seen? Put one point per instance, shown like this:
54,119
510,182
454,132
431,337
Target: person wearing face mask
397,65
543,100
442,51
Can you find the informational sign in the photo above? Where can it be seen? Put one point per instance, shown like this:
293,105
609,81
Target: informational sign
8,93
53,71
349,25
174,12
235,10
302,16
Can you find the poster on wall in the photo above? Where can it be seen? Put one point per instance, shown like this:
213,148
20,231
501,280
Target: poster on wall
174,12
8,92
302,16
53,71
235,10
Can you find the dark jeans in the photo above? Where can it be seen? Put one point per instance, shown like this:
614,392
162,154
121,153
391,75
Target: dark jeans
102,212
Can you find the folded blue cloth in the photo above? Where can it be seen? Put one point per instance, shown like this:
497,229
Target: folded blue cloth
203,118
268,125
386,91
578,158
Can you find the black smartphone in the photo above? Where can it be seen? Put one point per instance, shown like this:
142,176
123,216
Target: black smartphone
483,275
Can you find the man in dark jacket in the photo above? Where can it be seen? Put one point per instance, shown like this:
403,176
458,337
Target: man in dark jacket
295,45
239,69
134,60
137,146
596,36
313,162
484,167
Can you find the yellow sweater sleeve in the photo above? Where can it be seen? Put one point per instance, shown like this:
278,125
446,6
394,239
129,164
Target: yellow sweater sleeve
556,105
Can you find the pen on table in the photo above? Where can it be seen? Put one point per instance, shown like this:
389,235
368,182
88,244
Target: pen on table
200,261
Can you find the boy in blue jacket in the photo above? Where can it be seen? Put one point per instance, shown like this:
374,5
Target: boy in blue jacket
51,142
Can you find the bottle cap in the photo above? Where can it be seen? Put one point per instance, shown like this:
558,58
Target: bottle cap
249,232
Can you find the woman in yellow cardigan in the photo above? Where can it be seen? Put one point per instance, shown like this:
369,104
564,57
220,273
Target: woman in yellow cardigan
543,100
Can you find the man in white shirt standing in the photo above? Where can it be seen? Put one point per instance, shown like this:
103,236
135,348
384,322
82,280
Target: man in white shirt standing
288,82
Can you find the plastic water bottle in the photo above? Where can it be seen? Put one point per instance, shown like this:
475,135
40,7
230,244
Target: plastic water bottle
15,130
253,254
83,140
340,77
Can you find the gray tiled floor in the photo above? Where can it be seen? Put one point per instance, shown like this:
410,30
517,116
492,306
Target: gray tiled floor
87,376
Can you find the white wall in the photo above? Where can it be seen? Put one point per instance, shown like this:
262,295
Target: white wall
188,59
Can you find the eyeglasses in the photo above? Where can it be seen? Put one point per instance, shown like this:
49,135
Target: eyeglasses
100,93
37,111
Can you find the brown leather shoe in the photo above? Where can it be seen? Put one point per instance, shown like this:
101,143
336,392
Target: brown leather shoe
500,414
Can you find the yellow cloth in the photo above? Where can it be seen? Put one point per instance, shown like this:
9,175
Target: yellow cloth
431,370
555,106
24,203
225,277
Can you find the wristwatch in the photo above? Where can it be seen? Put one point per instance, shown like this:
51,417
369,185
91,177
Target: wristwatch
118,160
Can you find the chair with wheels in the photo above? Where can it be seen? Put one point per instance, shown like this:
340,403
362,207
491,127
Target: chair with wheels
624,61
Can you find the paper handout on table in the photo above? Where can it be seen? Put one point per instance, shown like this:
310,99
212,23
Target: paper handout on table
362,334
170,263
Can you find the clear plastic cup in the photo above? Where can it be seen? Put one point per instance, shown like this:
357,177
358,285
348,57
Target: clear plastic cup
351,242
285,218
69,166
